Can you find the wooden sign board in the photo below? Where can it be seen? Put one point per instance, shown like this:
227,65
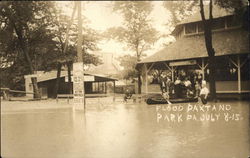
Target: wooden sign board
87,78
181,63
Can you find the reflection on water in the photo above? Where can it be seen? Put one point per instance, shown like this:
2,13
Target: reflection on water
121,130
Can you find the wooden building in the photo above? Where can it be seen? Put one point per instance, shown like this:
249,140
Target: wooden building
93,83
188,53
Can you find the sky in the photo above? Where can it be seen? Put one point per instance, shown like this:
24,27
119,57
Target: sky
100,17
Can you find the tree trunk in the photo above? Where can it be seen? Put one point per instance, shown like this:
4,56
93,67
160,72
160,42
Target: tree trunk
25,52
212,84
209,46
138,56
69,77
59,68
36,94
24,49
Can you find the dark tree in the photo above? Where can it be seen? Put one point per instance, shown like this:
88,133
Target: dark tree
25,27
237,7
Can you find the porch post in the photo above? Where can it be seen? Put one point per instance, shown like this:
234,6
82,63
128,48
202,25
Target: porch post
98,87
239,78
103,90
171,69
146,78
172,73
203,68
105,87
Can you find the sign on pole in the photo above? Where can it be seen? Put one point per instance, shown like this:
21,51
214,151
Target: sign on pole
78,85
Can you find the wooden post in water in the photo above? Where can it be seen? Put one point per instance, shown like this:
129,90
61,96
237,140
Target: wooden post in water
203,68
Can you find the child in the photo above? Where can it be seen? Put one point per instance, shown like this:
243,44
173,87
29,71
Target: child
204,92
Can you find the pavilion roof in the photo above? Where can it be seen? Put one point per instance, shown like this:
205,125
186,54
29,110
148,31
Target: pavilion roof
227,42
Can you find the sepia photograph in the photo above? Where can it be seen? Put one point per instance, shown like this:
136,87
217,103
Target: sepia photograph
125,79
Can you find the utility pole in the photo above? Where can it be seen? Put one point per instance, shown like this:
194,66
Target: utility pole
79,38
78,73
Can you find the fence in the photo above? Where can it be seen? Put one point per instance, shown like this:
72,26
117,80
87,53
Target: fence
5,92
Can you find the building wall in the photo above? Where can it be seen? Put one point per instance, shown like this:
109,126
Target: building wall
50,84
224,86
245,85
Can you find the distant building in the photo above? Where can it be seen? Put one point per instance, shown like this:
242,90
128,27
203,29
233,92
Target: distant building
109,67
93,83
188,53
98,79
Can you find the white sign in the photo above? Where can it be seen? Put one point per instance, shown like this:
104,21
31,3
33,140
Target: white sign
89,78
86,78
78,87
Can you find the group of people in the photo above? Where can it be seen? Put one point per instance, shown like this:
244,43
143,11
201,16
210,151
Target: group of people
182,87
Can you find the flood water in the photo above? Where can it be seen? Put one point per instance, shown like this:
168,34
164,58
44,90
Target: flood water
125,130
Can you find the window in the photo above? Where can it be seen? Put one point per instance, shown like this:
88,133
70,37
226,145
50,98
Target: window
190,28
218,24
94,87
225,70
233,21
245,69
200,27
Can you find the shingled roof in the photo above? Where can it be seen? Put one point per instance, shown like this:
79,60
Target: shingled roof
45,76
226,42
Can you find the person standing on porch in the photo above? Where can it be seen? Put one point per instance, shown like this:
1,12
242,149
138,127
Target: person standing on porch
204,92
